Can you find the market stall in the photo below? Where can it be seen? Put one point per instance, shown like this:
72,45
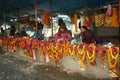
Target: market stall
90,60
84,57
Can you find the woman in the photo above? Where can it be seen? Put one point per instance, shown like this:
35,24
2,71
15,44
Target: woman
87,35
63,33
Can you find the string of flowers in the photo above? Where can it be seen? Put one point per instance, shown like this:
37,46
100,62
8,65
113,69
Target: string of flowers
56,50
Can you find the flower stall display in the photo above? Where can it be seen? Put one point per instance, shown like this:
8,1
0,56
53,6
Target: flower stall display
55,51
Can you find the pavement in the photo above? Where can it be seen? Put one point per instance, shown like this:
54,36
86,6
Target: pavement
13,67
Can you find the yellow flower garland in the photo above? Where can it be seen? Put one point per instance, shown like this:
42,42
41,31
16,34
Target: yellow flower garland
65,48
112,59
81,55
91,56
49,51
72,52
55,54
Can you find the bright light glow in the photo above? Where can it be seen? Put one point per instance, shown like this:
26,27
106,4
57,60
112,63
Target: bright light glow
15,19
11,19
63,16
7,26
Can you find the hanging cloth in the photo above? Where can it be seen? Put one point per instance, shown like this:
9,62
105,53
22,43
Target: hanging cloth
109,10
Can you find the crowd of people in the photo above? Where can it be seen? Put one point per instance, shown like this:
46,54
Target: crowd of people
86,35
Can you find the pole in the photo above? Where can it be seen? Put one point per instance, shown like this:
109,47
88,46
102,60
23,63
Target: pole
36,21
51,13
5,24
18,23
119,39
119,11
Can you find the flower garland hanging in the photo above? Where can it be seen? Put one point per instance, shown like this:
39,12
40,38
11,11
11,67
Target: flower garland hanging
114,18
65,48
74,21
49,50
81,54
72,51
91,54
46,18
112,58
55,51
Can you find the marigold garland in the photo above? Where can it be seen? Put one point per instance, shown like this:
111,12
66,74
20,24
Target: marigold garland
112,58
74,21
91,56
49,51
46,19
72,51
56,51
65,48
114,18
81,55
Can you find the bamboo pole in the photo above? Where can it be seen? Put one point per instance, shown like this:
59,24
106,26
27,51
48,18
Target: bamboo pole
51,13
5,24
119,11
119,35
18,23
36,20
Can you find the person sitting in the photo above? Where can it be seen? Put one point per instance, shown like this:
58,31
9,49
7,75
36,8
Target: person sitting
23,32
87,35
12,30
40,35
63,33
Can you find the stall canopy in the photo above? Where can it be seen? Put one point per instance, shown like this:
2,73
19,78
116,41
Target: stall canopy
15,8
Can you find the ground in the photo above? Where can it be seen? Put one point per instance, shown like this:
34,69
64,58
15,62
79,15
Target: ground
16,68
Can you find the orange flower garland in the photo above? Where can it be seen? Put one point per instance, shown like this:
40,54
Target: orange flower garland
56,51
74,21
49,50
114,18
0,43
65,48
46,19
